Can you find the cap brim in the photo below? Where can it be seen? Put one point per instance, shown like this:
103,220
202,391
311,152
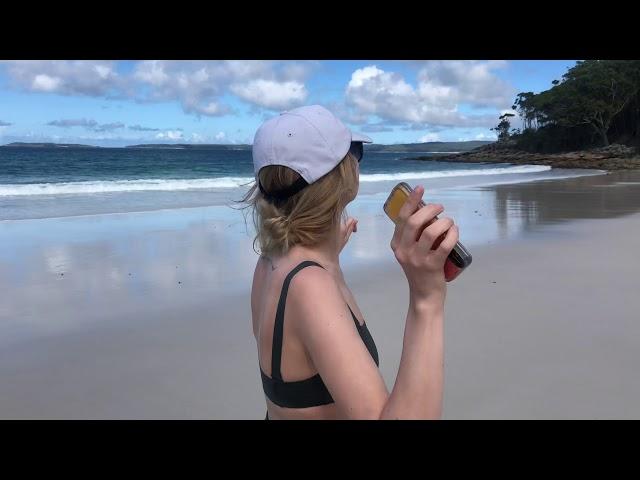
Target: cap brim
359,137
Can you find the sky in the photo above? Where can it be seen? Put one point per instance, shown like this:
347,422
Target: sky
119,103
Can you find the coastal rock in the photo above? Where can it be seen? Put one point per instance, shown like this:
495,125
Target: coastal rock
612,157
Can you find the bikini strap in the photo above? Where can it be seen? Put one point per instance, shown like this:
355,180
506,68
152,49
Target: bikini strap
278,328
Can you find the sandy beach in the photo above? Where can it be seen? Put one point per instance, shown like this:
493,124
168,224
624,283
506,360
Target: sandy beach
147,315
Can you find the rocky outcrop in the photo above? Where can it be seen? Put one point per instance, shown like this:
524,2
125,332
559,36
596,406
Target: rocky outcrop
613,157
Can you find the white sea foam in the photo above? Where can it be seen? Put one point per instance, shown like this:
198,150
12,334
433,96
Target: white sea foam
385,177
121,186
90,187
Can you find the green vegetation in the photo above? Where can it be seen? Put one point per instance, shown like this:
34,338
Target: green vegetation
427,147
596,103
502,129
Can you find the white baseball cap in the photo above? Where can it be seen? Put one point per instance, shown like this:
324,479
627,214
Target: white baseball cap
310,140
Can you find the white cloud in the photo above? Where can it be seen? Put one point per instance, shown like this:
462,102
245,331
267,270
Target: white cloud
468,81
67,77
170,135
429,137
220,136
211,109
45,83
151,72
271,94
484,136
200,85
479,136
362,75
442,86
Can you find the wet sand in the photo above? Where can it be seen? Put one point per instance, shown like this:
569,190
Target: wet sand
556,336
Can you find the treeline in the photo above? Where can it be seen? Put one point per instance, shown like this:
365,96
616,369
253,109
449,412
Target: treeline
427,146
596,103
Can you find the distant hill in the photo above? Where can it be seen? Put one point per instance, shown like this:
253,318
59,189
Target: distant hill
47,145
190,146
445,147
428,146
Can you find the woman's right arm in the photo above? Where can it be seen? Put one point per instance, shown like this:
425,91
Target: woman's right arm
326,329
418,389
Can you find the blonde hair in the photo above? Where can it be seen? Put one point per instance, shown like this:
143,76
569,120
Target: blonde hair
306,218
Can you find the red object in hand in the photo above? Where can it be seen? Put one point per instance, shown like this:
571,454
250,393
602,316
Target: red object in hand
451,270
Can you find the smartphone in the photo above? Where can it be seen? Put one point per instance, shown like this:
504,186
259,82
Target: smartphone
458,259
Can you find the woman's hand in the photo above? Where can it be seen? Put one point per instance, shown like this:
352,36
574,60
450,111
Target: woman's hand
346,229
415,234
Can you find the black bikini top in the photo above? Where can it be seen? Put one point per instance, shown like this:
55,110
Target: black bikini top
312,391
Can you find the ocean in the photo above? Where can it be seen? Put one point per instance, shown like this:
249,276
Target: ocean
56,182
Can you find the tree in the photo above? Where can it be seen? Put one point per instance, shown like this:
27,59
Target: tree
597,101
525,107
502,129
593,92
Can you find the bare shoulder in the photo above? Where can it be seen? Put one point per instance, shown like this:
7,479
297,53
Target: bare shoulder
313,295
324,326
312,283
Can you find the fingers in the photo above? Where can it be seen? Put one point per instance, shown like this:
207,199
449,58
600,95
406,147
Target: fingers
434,231
349,227
449,242
419,220
411,204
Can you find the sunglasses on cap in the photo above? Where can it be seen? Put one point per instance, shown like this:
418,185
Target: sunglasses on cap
357,150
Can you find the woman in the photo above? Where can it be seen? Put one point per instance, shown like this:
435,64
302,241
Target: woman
317,358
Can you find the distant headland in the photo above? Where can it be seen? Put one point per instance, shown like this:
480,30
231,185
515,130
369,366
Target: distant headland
191,146
428,147
47,145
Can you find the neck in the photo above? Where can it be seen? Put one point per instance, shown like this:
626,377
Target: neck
326,253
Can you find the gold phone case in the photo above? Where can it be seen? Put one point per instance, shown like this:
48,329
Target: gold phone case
396,199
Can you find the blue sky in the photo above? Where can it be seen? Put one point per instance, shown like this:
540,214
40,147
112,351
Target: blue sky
118,103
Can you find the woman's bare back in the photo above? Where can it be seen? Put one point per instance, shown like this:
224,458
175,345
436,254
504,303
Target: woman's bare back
296,363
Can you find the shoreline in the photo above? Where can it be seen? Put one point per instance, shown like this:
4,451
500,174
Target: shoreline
58,206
